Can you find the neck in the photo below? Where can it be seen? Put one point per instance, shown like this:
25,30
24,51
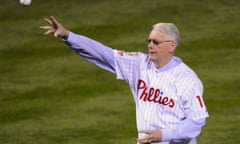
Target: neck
162,62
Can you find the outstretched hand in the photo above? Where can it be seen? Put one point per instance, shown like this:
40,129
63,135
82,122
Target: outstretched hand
54,27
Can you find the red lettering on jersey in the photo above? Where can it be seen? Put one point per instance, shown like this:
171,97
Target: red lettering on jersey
142,85
171,103
150,94
200,101
165,101
121,53
153,95
156,96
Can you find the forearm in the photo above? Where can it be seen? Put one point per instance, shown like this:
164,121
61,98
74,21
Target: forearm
187,129
91,50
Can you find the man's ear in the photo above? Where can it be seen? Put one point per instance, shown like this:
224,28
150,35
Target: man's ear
173,47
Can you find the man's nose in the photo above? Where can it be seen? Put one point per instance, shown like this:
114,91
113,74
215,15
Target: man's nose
150,45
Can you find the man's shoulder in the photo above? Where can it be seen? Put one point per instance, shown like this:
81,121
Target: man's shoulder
184,72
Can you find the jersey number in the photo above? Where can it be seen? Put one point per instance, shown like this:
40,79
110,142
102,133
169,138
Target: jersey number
200,101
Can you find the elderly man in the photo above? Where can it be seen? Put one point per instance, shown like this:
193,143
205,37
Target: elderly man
168,94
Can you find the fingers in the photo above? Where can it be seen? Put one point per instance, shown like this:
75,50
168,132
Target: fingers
59,28
54,20
48,21
54,27
48,29
45,27
51,20
151,136
48,32
51,27
145,140
145,131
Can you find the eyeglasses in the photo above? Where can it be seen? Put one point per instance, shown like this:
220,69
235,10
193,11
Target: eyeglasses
156,42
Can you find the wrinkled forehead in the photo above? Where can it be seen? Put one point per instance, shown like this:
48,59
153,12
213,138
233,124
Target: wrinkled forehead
157,34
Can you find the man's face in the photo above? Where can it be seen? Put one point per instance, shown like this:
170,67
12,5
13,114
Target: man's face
160,49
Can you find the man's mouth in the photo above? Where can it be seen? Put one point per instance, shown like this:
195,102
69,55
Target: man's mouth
151,53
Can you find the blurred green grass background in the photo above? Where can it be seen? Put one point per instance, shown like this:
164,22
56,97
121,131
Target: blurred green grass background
49,95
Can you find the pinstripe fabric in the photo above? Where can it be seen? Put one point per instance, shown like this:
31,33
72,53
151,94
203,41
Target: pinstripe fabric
163,98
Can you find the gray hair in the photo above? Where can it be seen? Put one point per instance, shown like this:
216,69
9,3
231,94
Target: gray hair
170,30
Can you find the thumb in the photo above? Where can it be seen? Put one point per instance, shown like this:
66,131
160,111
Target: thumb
56,34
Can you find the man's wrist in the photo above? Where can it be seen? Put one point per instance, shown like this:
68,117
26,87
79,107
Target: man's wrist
65,34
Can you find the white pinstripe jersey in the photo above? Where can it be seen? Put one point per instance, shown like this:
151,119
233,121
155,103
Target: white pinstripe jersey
163,98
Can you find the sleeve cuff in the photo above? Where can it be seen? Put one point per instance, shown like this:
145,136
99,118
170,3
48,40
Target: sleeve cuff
167,134
65,39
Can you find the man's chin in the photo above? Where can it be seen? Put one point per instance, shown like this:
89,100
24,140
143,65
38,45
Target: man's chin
151,57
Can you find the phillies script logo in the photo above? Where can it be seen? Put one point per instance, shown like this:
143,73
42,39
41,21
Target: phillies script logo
153,95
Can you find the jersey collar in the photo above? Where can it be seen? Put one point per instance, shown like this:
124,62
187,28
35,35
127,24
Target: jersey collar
175,61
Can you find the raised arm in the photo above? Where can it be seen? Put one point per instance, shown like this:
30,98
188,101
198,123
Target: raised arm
91,50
